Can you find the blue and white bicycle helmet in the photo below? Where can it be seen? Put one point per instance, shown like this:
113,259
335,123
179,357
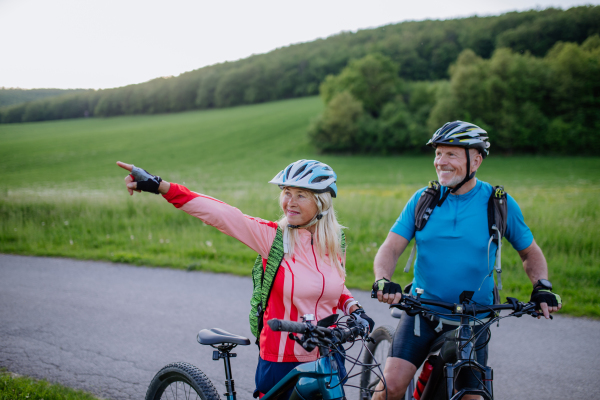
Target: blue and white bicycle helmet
461,134
308,174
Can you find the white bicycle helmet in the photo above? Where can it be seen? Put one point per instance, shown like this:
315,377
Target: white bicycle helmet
308,174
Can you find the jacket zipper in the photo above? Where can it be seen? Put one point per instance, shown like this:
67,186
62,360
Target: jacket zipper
322,276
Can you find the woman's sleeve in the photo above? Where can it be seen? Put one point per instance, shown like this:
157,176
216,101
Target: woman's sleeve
256,233
346,301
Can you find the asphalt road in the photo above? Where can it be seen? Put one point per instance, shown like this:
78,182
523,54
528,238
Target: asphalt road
108,328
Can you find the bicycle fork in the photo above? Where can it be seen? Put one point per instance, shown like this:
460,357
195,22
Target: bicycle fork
449,374
464,350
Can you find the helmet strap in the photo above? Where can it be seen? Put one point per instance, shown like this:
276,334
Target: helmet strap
468,177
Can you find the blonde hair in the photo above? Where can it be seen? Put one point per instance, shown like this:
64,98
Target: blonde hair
328,231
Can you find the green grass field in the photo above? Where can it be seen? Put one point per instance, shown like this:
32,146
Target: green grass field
63,194
14,387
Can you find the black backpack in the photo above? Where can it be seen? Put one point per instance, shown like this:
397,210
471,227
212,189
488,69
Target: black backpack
496,213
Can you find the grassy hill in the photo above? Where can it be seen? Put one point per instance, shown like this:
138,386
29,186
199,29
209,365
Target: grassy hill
62,194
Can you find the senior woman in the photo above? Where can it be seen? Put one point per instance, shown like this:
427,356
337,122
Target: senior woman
311,276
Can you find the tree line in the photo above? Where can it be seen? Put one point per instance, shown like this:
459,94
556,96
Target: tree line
527,104
11,96
422,51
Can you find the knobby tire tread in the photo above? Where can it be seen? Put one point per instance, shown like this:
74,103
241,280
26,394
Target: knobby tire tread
181,372
379,335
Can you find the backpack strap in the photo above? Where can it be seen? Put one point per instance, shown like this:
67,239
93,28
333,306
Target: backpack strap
263,282
497,213
426,204
497,216
429,199
411,257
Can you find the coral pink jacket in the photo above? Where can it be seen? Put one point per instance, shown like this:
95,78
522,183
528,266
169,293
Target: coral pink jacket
304,284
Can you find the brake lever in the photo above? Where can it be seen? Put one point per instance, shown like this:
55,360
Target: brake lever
293,337
411,305
527,309
536,314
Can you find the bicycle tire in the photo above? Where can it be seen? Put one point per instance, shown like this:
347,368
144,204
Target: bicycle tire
181,380
382,341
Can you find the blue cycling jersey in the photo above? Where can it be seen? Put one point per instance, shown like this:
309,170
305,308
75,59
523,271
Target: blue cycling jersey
452,249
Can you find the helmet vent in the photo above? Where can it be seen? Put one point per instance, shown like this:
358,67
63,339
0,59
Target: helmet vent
320,179
302,168
306,174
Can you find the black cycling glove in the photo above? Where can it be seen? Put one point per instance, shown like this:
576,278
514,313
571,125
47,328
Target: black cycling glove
387,287
543,295
146,182
360,316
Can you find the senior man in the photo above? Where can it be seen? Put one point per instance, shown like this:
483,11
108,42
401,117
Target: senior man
455,253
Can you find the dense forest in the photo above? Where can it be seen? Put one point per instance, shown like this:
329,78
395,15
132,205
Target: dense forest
528,104
387,88
11,96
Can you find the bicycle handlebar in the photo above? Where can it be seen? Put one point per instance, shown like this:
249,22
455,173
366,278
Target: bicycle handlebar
286,326
412,303
315,335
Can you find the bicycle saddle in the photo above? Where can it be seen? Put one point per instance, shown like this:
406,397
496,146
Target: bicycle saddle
218,336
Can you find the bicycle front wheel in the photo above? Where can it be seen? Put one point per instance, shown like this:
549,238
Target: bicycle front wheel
377,354
181,381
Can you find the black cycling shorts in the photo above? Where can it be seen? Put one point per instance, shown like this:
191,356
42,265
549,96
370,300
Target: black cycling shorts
415,349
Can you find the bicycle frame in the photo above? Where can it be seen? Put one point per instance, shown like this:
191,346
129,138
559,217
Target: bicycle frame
459,344
462,349
316,379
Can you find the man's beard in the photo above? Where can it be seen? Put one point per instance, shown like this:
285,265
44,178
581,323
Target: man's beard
454,181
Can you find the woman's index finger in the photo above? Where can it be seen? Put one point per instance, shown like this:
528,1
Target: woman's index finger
126,166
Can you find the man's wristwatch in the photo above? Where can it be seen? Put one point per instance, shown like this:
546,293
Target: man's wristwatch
543,284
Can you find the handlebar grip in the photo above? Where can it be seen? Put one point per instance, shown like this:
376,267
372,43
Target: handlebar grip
373,294
286,326
345,333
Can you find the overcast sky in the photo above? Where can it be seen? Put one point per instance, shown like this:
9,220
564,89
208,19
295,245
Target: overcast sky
110,43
